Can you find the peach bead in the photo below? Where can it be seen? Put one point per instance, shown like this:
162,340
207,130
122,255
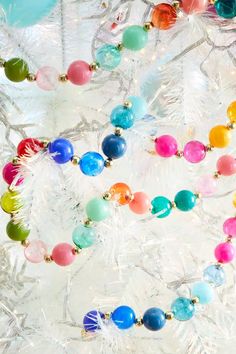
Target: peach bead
220,136
226,165
140,203
121,193
194,6
231,112
63,254
79,72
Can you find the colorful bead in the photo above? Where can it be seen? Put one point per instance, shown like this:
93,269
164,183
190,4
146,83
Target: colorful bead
121,193
47,78
29,146
63,254
114,146
231,112
183,309
140,203
154,319
234,200
194,6
91,163
226,165
84,236
17,231
207,185
225,252
98,209
139,106
225,8
229,227
9,173
79,72
220,136
10,202
122,117
203,291
194,151
163,16
108,57
35,251
134,38
166,145
61,149
92,320
123,317
16,69
185,200
215,275
161,206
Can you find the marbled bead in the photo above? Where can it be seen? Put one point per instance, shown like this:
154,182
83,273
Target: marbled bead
121,193
92,320
91,163
183,309
29,146
122,117
61,150
108,57
154,319
185,200
123,317
203,291
84,236
214,274
139,106
229,227
16,69
194,151
17,231
79,72
98,209
134,38
47,78
166,145
161,206
35,251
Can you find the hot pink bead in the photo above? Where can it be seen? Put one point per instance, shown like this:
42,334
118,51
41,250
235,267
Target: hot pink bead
206,185
10,172
194,6
63,254
229,227
47,78
166,145
36,251
225,252
79,72
194,151
140,203
226,165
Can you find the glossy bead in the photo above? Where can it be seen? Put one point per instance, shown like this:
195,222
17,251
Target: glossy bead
47,78
35,251
122,117
17,232
10,202
154,319
183,309
61,149
134,38
226,165
203,291
163,16
140,203
79,72
16,69
194,151
220,136
63,254
225,8
98,209
215,275
108,57
185,200
225,252
9,173
206,185
194,6
84,236
139,106
229,227
91,163
123,317
92,320
166,145
161,206
121,193
114,146
234,200
29,146
231,112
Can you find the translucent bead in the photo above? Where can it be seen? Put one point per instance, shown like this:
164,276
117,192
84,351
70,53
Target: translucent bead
231,112
140,203
61,150
229,227
63,254
36,251
220,136
203,291
10,202
114,146
225,8
108,57
79,72
194,151
121,193
122,117
163,16
9,173
226,165
206,185
91,163
183,309
215,275
154,319
161,206
139,106
84,236
17,231
47,78
123,317
29,146
92,320
135,38
194,6
225,252
98,209
166,145
185,200
16,69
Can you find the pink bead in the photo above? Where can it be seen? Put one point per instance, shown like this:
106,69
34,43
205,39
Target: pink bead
194,151
10,172
166,145
226,165
36,251
206,185
79,72
47,78
194,6
63,254
225,252
140,203
229,227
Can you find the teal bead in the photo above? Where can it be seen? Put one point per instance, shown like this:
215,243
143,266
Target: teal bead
183,309
161,206
84,236
122,117
135,38
225,8
185,200
108,57
139,106
98,209
203,291
214,274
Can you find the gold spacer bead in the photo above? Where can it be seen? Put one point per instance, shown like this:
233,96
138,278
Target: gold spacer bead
120,46
209,147
48,258
139,322
63,78
198,195
25,243
45,143
118,131
31,77
229,238
173,205
108,163
231,126
88,222
217,174
75,160
107,315
15,160
76,250
2,63
127,104
107,196
84,333
147,26
195,300
169,315
179,154
176,4
94,66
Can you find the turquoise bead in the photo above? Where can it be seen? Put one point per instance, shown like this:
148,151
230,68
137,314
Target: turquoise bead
214,274
225,8
183,309
185,200
135,38
108,57
122,117
203,291
83,236
139,106
161,206
98,209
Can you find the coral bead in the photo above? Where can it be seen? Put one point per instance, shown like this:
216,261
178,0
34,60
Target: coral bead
214,275
35,251
194,151
63,254
62,150
203,291
84,236
140,204
17,232
183,309
220,136
98,209
29,146
16,69
161,206
91,163
10,202
231,112
206,185
225,252
226,165
114,146
79,72
122,117
225,8
123,317
134,38
92,320
229,227
163,16
9,173
166,145
139,106
194,6
185,200
108,57
121,193
154,319
47,78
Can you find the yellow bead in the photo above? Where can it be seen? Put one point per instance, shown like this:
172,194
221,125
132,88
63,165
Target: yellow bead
234,200
231,112
220,136
9,202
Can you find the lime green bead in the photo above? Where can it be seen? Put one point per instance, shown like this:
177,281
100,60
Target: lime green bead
16,69
17,232
10,202
135,38
98,209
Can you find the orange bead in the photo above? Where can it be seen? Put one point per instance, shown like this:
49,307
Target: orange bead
163,16
231,112
220,136
121,193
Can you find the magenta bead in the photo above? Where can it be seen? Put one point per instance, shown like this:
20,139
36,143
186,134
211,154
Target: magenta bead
206,185
63,254
194,151
225,252
36,251
47,78
226,165
10,172
194,6
166,145
229,227
79,72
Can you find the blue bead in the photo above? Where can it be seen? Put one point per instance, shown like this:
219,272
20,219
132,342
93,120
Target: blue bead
123,317
91,163
114,146
215,275
61,149
83,236
122,117
139,106
92,320
108,57
225,8
183,309
154,319
203,291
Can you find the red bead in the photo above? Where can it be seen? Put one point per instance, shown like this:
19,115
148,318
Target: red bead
29,146
163,16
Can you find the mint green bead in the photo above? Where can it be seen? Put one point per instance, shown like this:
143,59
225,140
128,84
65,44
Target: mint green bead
17,232
16,69
161,206
185,200
84,236
135,38
98,209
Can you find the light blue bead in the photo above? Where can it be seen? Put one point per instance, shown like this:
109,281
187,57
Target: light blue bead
123,317
83,236
183,309
91,163
108,57
122,117
215,275
203,291
139,106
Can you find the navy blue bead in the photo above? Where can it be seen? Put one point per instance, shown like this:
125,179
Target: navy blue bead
154,319
91,163
61,149
122,117
92,319
114,146
123,317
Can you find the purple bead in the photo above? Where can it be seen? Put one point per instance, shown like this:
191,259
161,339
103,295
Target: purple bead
194,151
229,227
92,320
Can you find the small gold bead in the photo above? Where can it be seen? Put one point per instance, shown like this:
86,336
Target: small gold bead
120,46
127,104
25,243
173,205
229,238
76,250
15,160
209,147
63,78
107,196
179,154
148,26
198,195
94,66
176,4
31,77
231,126
108,163
169,315
107,315
217,174
48,258
75,160
45,143
88,222
139,322
2,63
118,131
195,300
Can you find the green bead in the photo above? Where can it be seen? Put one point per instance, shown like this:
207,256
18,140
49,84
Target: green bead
17,232
161,206
185,200
135,38
84,236
10,202
97,209
16,69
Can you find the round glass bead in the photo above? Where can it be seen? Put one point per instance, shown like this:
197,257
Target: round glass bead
183,309
203,291
154,319
194,6
108,57
121,193
63,254
231,112
91,163
161,206
29,146
84,236
229,227
114,146
16,69
98,209
206,185
214,274
139,106
79,72
225,8
9,173
163,16
122,117
226,165
92,320
35,251
62,150
166,145
134,38
194,151
17,232
123,317
225,252
220,136
185,200
10,202
140,203
47,78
